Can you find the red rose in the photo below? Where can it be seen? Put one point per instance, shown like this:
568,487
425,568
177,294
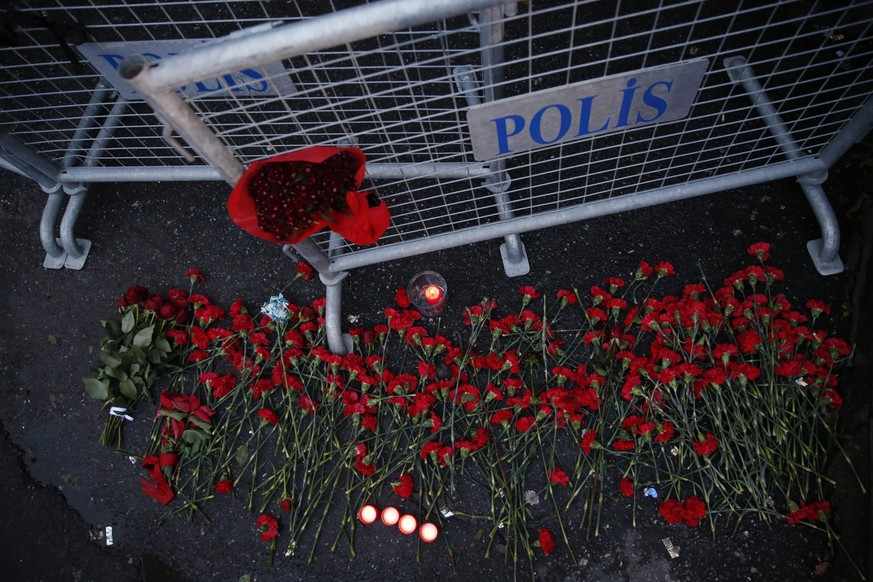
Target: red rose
285,504
268,527
134,295
546,541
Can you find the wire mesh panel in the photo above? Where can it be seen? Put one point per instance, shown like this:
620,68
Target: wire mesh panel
397,96
47,79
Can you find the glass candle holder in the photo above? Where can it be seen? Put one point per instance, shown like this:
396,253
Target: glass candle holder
390,516
427,291
368,514
408,524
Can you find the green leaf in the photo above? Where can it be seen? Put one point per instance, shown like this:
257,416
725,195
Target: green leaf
127,322
174,414
204,426
138,353
97,389
113,328
128,389
193,437
143,338
156,356
109,359
116,373
162,344
242,455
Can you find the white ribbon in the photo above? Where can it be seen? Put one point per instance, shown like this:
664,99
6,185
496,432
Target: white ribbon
119,411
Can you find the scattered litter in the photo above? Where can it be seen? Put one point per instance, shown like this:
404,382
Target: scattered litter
353,318
650,492
109,540
132,460
801,382
531,497
737,232
674,451
446,512
671,549
120,412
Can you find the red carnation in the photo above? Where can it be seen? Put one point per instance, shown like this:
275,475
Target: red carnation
760,250
404,485
546,541
304,270
587,441
269,416
665,269
626,486
559,476
194,275
224,486
706,446
268,527
402,298
529,292
624,445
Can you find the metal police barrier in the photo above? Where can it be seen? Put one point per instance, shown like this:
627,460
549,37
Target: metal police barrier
479,119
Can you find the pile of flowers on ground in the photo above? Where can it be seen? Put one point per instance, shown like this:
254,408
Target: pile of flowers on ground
718,401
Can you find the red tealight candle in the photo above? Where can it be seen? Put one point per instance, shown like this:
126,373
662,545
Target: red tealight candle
428,532
390,515
408,523
433,294
368,514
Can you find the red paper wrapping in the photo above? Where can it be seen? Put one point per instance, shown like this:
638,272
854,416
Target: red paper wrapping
358,223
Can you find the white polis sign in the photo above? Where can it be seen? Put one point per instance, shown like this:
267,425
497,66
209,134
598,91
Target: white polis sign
271,79
595,107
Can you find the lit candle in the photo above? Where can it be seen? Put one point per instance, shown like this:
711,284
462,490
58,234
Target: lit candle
428,532
408,523
433,294
390,515
368,514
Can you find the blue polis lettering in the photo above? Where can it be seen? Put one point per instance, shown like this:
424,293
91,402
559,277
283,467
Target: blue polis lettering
260,87
512,125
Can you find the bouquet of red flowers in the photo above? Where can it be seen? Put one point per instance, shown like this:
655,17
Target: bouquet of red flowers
290,197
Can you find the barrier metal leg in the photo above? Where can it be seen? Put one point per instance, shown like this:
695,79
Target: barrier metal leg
31,164
77,248
824,251
308,250
515,262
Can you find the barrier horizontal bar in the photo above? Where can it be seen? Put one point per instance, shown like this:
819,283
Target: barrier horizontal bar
375,171
265,44
361,258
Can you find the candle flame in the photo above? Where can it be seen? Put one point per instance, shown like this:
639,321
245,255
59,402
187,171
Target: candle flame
432,293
